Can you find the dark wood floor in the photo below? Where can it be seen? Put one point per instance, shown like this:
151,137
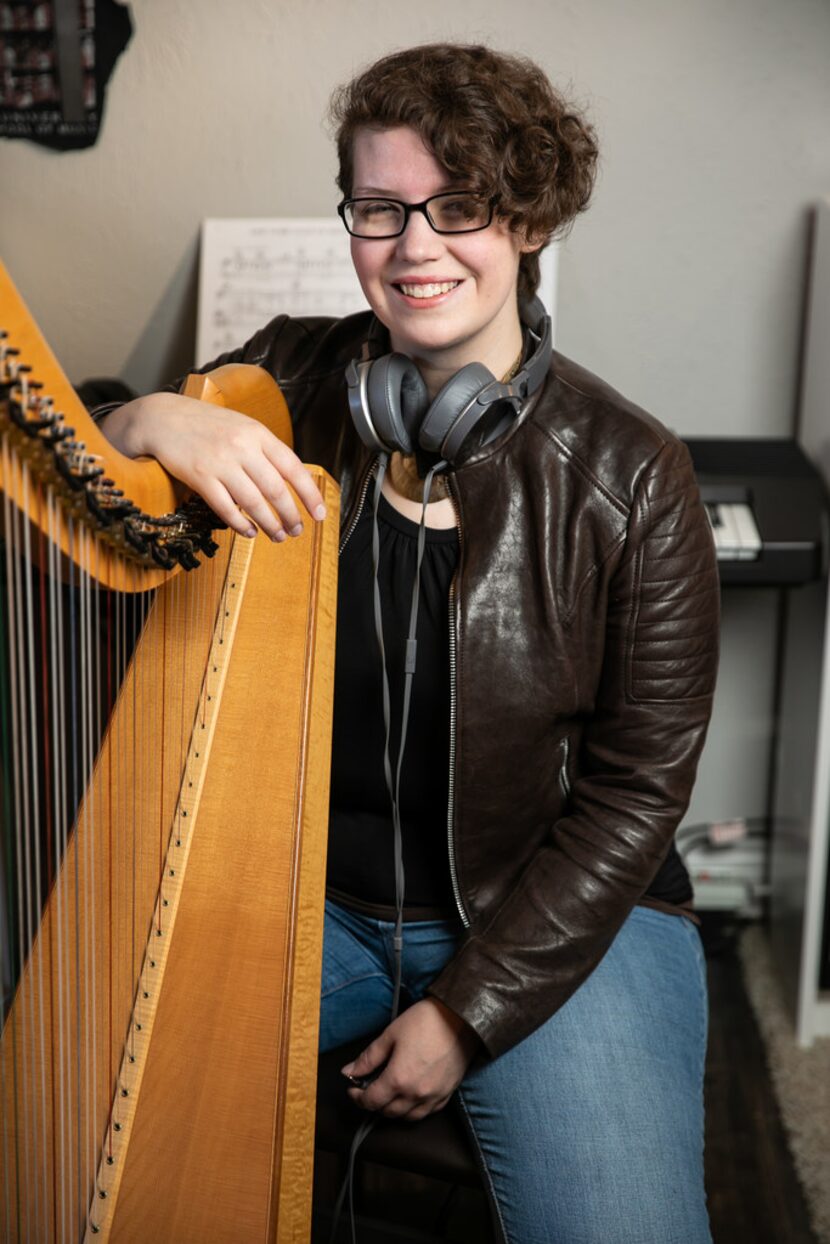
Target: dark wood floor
754,1194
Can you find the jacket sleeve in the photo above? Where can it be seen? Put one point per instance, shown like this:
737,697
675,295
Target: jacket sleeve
636,769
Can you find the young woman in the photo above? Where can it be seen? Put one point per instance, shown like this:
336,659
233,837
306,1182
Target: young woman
567,638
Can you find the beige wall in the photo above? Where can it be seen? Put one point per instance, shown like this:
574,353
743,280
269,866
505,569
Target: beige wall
682,286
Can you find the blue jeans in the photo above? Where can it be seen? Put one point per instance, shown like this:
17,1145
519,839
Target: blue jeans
590,1131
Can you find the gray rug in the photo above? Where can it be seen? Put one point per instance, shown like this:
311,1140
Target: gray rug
801,1079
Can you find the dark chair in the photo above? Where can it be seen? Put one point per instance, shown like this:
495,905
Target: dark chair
437,1148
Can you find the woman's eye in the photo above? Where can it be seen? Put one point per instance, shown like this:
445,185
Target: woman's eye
374,210
464,209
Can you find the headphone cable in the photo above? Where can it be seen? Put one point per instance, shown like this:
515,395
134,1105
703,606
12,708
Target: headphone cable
410,658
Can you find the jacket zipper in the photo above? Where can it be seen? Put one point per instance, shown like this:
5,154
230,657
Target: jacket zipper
564,779
370,470
456,888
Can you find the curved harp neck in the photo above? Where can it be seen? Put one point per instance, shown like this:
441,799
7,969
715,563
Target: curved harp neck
136,511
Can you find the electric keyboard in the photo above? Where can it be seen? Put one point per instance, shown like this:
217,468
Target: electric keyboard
768,508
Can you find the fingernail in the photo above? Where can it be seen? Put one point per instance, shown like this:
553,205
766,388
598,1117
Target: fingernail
251,532
347,1070
320,512
278,536
298,530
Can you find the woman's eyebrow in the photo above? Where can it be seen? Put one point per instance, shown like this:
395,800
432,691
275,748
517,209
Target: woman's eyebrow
359,191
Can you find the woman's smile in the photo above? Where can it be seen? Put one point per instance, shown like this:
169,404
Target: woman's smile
421,291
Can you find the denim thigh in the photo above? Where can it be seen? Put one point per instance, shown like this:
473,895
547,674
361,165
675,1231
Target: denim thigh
590,1131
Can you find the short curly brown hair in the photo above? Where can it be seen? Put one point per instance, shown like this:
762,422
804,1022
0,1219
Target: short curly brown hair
489,118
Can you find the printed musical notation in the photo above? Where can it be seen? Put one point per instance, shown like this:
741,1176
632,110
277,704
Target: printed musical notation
252,270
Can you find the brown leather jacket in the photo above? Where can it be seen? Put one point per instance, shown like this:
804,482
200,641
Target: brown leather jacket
584,632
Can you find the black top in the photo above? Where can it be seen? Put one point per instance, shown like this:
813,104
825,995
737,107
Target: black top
361,844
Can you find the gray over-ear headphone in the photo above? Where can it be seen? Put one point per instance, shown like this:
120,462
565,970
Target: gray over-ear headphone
390,405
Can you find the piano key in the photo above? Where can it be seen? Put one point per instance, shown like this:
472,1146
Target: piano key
727,540
750,537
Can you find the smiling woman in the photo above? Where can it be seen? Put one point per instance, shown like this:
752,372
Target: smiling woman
505,791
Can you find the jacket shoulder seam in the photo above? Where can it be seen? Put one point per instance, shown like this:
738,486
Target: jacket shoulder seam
578,465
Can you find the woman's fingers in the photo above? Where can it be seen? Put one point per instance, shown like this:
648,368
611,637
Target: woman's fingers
256,468
248,496
274,493
291,469
225,507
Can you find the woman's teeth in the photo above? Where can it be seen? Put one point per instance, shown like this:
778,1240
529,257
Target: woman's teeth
428,291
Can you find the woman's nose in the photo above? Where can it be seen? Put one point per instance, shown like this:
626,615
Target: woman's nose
419,241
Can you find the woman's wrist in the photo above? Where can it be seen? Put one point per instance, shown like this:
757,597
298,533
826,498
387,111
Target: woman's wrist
128,427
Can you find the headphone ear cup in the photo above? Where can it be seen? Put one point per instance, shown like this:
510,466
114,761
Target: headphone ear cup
450,402
397,398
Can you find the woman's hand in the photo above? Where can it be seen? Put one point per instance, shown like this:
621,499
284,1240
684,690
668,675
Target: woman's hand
427,1051
232,461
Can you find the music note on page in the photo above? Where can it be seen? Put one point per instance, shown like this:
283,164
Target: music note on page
253,269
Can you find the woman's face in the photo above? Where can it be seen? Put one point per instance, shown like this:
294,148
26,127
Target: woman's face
476,319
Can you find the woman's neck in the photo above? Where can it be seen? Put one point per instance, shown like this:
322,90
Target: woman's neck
437,367
439,514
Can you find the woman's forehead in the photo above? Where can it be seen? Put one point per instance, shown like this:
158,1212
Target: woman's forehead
396,162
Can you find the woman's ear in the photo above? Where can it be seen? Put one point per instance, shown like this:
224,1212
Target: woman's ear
529,244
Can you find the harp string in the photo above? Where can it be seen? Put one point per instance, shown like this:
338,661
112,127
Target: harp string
9,753
32,849
57,850
21,841
89,887
74,651
43,624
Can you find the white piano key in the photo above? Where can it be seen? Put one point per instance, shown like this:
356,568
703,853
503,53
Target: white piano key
750,537
727,540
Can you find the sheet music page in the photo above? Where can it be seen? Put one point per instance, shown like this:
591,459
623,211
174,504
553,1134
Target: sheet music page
251,270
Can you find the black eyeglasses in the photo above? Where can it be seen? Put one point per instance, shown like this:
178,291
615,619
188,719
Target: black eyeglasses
450,212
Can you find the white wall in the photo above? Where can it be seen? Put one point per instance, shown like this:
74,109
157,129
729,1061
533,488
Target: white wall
683,285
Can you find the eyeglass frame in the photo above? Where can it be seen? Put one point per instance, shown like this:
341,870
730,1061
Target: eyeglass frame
408,209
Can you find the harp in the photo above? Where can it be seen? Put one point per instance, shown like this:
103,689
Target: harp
165,713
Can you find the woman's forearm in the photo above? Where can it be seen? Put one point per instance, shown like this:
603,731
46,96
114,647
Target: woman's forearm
128,427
